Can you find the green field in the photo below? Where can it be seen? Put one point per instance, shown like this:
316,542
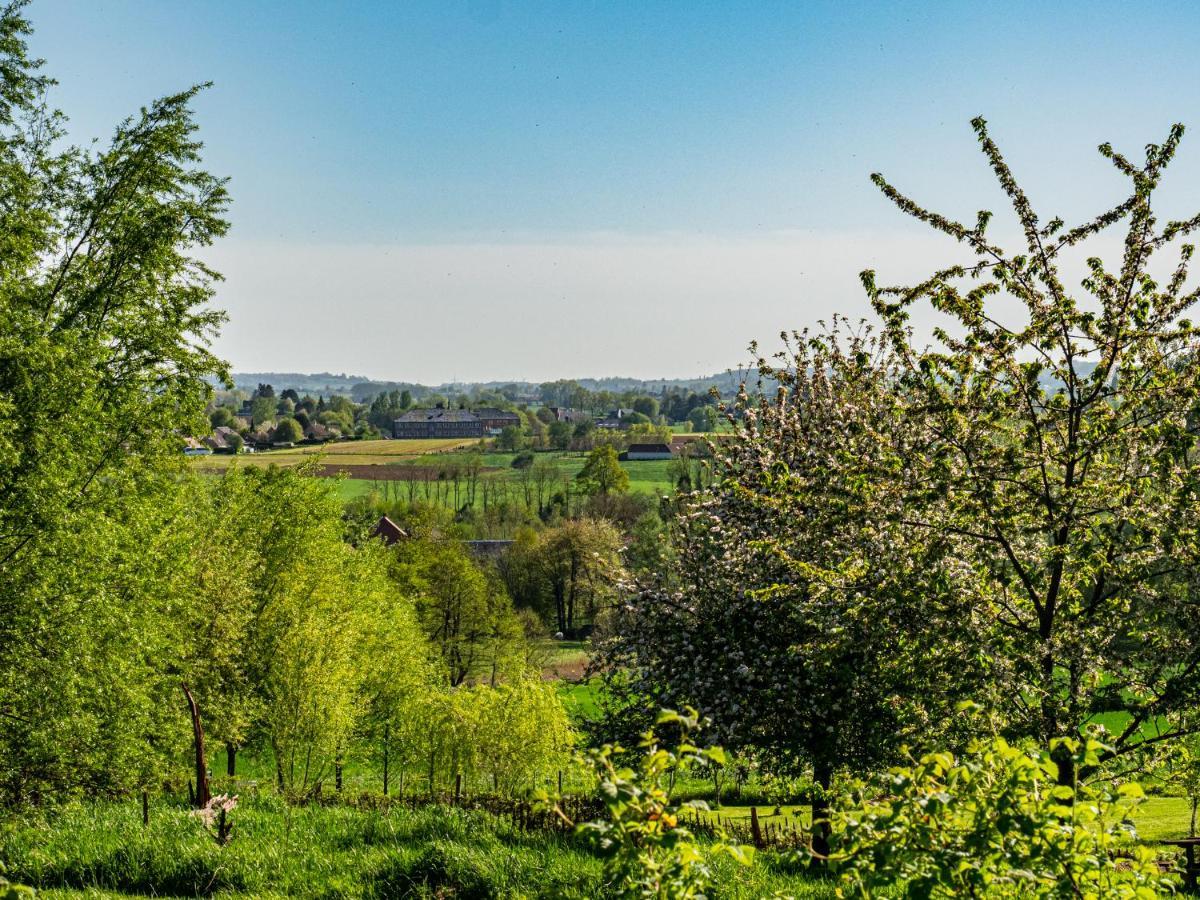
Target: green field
365,467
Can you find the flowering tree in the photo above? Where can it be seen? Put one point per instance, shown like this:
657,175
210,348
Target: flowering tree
1064,449
799,612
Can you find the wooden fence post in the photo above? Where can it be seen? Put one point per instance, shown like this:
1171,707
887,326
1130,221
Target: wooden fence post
457,787
755,830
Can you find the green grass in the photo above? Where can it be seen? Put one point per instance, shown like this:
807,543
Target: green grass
281,851
1157,819
645,476
554,654
581,699
1162,819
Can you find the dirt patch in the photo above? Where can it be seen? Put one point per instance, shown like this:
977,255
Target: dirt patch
571,670
387,472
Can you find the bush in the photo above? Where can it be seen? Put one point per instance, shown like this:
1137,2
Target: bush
651,855
993,823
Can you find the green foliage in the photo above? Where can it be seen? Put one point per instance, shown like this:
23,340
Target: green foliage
558,435
650,853
466,612
508,739
646,406
511,439
995,822
222,415
798,610
602,473
703,418
262,411
104,334
287,431
565,573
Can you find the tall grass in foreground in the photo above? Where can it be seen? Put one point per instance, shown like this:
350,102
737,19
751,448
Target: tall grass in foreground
316,851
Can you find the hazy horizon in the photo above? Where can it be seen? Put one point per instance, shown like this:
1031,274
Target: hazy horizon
492,191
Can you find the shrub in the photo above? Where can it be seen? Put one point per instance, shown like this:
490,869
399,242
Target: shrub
650,854
994,822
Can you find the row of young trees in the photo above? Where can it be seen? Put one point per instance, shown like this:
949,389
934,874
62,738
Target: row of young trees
122,577
1007,515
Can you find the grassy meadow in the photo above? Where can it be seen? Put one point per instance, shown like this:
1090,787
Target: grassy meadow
102,849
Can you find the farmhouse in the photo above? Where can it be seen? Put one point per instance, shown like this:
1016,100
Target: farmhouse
496,420
648,451
421,424
437,423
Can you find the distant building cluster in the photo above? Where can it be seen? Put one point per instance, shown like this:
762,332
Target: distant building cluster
417,424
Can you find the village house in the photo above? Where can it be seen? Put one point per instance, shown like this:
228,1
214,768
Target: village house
388,531
562,414
223,440
617,419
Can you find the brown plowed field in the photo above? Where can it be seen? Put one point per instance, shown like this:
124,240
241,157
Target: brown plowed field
386,472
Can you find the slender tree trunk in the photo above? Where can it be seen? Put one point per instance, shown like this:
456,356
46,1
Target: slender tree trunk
823,778
230,759
386,735
202,791
571,594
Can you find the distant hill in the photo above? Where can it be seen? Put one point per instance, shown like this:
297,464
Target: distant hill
361,388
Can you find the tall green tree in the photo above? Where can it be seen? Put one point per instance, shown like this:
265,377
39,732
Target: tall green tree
104,332
603,473
578,564
466,611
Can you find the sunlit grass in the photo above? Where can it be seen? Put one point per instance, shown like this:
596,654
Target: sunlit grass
102,849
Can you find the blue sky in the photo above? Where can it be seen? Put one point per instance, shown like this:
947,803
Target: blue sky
585,189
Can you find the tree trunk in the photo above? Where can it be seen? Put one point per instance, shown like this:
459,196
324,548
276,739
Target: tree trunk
386,734
1066,768
823,779
202,793
278,766
230,759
